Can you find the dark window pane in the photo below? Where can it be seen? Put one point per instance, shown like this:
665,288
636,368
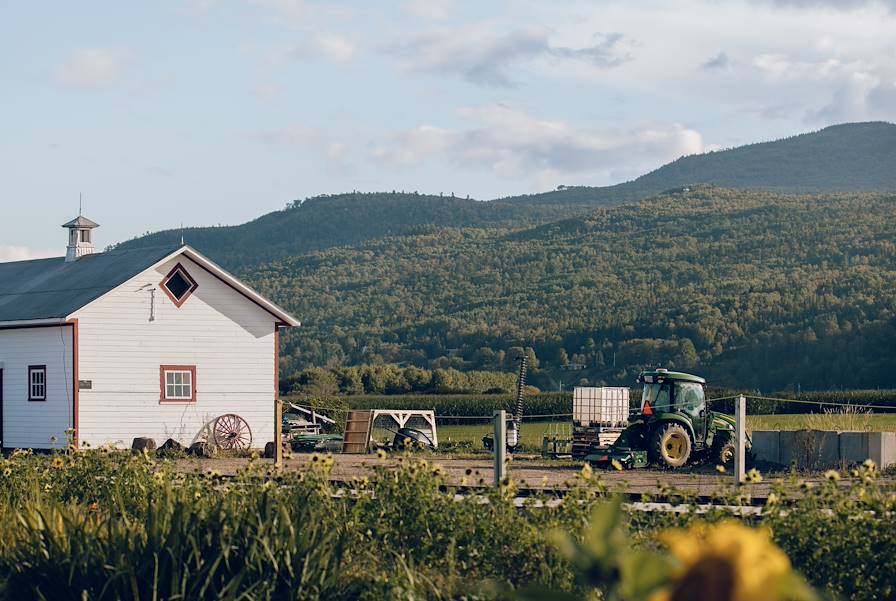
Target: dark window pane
178,285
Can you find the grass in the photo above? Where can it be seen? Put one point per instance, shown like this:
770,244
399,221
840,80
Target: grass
843,422
533,432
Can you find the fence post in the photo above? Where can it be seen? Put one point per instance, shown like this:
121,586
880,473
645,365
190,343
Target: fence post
278,433
499,419
740,424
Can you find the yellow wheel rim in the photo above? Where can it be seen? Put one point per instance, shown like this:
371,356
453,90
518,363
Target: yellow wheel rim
727,454
674,446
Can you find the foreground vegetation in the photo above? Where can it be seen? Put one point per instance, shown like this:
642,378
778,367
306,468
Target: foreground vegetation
102,525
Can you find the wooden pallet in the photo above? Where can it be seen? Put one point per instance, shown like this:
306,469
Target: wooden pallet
358,426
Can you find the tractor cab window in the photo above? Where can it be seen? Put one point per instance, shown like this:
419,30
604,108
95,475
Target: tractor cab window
659,395
689,397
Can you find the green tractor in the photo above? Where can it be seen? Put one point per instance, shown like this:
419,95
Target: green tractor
674,426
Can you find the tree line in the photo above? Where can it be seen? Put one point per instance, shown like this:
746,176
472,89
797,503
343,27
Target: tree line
750,288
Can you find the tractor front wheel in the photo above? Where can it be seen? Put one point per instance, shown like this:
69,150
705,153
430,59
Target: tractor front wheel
671,445
723,452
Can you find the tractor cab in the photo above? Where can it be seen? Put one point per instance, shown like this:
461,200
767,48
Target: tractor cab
676,393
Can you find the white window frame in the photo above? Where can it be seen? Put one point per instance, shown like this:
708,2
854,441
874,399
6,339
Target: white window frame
177,383
40,386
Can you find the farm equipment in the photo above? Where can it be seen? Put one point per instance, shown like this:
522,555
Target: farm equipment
599,415
515,423
302,430
673,427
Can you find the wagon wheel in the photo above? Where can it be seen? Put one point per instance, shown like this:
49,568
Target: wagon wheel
230,431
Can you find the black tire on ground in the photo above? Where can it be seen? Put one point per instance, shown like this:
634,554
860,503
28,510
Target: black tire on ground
670,445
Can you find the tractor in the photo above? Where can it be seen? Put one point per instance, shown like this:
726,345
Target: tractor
673,427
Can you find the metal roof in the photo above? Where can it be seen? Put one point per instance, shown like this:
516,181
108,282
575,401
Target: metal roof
81,221
54,288
671,375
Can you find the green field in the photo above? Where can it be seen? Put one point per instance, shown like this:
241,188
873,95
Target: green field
843,422
533,432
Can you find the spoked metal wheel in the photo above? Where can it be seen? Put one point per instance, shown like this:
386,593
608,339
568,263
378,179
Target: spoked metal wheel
231,432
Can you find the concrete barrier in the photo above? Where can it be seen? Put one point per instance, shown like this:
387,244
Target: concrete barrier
817,449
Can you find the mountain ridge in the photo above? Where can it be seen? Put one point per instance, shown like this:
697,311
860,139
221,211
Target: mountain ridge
845,157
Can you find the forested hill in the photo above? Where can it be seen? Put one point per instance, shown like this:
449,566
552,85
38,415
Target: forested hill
344,219
749,288
850,157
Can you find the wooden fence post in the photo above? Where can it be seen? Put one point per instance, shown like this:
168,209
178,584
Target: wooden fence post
500,423
278,433
740,425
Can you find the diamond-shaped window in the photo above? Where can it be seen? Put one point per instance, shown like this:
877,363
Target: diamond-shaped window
178,285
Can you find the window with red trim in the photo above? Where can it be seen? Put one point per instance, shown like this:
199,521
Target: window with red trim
179,285
177,383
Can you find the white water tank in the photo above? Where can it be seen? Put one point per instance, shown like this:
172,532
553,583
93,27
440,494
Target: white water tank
605,406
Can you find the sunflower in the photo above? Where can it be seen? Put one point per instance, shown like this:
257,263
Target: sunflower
729,562
57,462
586,472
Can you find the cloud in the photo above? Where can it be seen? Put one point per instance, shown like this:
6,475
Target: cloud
24,253
856,89
267,92
482,57
320,144
94,67
882,100
719,61
835,4
299,13
429,9
514,144
318,45
199,7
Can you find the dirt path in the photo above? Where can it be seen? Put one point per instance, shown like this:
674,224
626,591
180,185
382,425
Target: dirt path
530,474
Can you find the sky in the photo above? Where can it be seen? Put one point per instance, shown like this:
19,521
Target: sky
206,112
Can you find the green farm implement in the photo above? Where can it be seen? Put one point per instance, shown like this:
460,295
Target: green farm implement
673,428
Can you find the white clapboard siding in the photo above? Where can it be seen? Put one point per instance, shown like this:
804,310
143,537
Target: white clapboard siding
36,424
229,339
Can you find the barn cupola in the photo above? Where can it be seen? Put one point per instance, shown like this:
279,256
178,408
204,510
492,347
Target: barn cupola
80,237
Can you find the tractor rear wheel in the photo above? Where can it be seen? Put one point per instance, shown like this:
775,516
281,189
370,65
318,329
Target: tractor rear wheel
671,445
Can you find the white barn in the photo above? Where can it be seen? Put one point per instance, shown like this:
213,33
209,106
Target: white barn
146,342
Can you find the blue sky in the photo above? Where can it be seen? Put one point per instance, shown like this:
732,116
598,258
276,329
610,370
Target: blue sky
217,111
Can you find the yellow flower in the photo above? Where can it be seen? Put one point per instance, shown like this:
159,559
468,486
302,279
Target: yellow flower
728,562
832,475
772,499
381,454
753,476
616,465
587,471
720,469
57,462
